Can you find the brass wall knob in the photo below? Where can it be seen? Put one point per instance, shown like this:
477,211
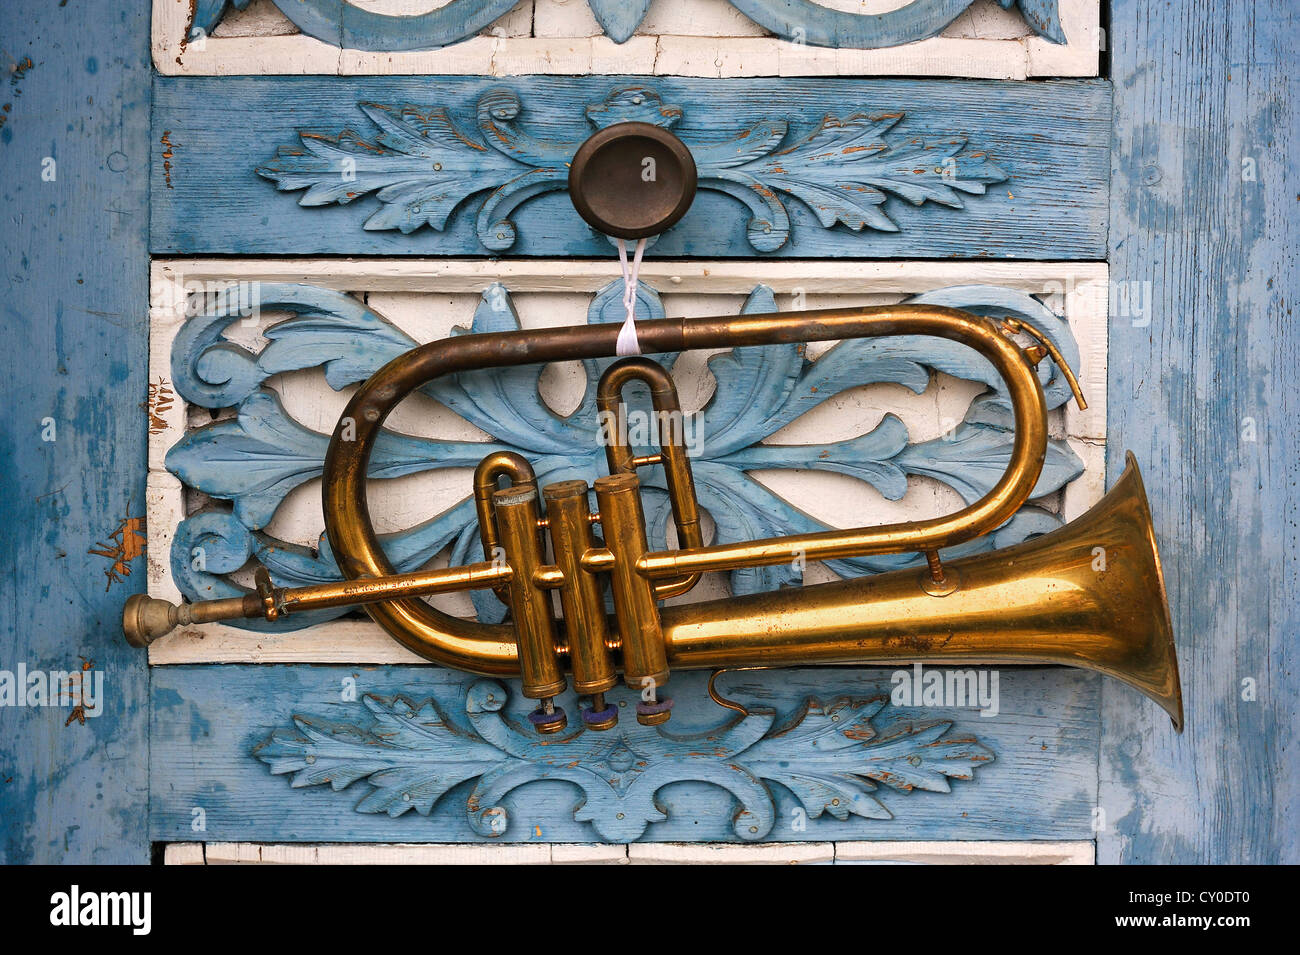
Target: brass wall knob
632,180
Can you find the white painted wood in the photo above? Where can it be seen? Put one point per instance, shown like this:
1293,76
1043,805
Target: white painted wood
244,853
677,37
427,298
967,853
928,853
1082,55
184,853
709,853
729,277
588,854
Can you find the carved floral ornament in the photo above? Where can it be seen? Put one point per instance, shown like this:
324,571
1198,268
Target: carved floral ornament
830,757
342,23
422,166
249,462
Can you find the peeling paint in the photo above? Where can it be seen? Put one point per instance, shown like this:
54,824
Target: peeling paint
169,150
130,537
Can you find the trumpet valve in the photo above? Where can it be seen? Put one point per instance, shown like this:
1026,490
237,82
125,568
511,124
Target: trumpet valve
654,712
599,714
548,718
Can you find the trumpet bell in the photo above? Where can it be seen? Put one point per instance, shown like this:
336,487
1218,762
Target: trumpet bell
1090,595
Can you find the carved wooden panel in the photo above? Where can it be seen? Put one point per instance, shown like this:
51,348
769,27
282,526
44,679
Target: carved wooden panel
252,362
252,359
1005,39
420,754
800,168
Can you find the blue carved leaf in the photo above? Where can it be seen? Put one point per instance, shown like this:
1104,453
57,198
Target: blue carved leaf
504,402
829,756
843,169
994,301
867,457
840,753
919,756
761,380
1043,17
328,328
258,457
208,13
619,18
421,167
349,346
973,458
411,756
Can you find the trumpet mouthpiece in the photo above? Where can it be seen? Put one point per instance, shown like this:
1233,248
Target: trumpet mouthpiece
145,619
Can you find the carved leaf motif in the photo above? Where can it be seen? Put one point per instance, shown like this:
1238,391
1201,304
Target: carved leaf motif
256,458
803,21
972,458
422,166
844,167
208,13
328,329
619,18
814,23
831,758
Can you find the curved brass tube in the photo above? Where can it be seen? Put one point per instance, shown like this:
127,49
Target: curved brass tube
498,464
676,463
490,649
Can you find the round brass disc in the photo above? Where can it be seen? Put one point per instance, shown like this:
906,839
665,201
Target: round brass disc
632,180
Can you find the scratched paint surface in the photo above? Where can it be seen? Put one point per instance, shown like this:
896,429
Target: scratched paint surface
1050,141
210,723
1192,103
74,103
1206,187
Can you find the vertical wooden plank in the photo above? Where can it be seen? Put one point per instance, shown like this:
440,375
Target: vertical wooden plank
1203,247
73,142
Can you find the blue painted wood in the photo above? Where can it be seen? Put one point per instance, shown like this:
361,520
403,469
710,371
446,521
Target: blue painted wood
74,148
619,18
1203,343
798,167
344,24
257,458
332,765
422,166
830,756
806,21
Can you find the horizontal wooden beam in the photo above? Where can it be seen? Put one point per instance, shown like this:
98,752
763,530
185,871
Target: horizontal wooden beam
227,741
476,166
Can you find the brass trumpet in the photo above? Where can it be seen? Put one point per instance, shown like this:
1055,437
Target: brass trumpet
1040,602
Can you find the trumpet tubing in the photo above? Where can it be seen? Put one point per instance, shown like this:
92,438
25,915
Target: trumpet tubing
1089,595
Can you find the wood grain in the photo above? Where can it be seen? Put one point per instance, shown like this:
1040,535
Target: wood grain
76,108
1051,139
208,719
676,37
1215,250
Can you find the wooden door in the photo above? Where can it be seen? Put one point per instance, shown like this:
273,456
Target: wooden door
230,214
